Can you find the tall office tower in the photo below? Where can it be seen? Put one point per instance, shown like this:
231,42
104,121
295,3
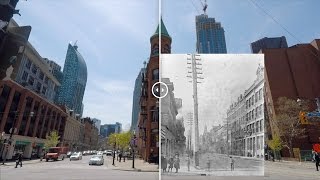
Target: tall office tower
74,80
136,99
210,36
269,43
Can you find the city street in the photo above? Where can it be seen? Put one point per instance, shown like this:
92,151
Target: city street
67,170
273,171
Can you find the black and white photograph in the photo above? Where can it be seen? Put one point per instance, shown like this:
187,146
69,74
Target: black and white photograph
212,115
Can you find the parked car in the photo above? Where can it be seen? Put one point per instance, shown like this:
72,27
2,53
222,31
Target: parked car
109,153
56,153
96,160
69,154
76,156
100,153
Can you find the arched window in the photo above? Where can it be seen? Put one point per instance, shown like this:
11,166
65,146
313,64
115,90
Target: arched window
155,49
155,74
155,114
166,48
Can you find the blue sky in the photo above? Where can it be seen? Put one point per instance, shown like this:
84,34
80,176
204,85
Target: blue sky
242,21
113,37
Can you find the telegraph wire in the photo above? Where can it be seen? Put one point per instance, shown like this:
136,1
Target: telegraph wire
282,26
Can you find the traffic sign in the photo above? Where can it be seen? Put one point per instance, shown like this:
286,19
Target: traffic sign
313,114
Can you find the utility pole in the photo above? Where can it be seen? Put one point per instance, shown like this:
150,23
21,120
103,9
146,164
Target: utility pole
196,69
190,123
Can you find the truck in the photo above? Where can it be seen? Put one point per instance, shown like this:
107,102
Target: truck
56,153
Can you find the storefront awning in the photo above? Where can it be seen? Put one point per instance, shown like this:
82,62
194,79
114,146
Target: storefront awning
22,142
40,144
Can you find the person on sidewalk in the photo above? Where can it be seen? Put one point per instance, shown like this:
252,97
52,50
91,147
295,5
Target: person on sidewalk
177,163
120,156
317,159
170,164
19,160
164,163
232,163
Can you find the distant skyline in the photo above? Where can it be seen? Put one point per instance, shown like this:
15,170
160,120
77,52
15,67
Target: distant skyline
242,21
113,38
225,78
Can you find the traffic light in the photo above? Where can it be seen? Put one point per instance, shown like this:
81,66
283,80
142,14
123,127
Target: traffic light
303,118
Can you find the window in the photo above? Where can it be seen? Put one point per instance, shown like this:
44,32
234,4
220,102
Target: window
25,76
31,80
155,74
46,79
260,94
155,49
252,99
34,69
256,111
41,75
39,86
257,126
155,114
252,114
256,97
28,64
44,90
249,102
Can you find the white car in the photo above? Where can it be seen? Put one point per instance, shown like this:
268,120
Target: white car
76,156
96,160
109,153
100,153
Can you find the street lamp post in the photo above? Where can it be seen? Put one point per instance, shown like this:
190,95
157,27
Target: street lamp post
132,147
3,145
114,151
12,131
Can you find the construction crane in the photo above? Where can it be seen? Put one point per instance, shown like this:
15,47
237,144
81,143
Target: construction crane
204,6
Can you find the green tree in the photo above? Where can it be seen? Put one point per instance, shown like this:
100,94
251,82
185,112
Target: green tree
52,139
288,123
275,144
122,140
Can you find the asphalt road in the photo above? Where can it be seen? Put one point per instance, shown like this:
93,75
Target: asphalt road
71,170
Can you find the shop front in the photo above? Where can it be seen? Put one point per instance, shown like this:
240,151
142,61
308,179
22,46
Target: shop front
36,150
21,147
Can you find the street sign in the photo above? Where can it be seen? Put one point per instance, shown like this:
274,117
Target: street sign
313,114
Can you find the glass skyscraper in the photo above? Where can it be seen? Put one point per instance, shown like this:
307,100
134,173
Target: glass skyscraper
210,36
136,99
74,80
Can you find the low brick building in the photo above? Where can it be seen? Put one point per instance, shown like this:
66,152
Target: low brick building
33,115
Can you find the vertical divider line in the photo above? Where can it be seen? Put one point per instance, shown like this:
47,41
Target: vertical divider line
160,76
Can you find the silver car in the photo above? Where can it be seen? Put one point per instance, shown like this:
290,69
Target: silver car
76,156
96,160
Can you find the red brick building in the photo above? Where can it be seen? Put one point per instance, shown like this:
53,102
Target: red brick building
90,135
34,117
148,132
293,72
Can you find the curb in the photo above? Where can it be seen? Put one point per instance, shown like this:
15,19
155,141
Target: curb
136,170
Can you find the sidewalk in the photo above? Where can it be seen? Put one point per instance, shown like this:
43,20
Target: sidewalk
139,164
183,171
24,161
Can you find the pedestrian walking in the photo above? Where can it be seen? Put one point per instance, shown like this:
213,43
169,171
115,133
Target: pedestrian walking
120,156
313,155
41,155
317,159
164,164
19,160
177,163
232,163
170,164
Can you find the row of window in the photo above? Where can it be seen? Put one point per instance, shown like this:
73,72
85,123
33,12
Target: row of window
35,70
254,98
255,127
255,113
31,81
